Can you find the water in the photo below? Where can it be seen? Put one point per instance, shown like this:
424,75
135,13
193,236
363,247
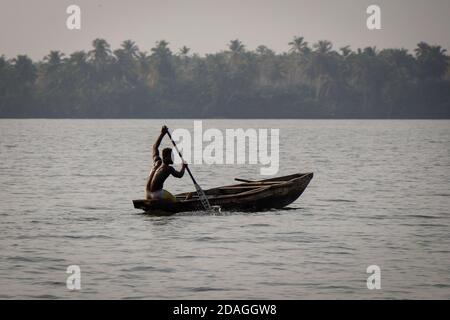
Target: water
380,196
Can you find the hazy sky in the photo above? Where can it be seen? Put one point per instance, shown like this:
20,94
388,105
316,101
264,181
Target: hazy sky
206,26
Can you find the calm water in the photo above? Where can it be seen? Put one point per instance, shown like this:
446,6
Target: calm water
380,195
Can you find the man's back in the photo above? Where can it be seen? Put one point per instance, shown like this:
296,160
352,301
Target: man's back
162,172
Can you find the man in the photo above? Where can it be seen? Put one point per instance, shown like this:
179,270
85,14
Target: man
161,170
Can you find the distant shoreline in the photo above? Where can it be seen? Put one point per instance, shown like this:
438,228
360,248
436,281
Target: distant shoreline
310,81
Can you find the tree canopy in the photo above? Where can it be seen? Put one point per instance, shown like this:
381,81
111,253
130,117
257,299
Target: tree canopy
308,81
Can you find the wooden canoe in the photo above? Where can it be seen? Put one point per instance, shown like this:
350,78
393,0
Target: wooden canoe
259,195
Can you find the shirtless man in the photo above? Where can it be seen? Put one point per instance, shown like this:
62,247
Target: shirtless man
161,170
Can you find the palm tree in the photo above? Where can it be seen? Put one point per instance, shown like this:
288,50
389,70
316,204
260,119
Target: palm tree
24,77
52,67
398,59
422,49
4,68
299,45
78,59
345,51
101,53
126,62
236,46
24,69
78,65
264,51
400,82
130,49
161,49
54,58
323,67
267,68
295,63
323,62
143,61
184,51
3,61
101,60
5,83
369,72
52,74
432,60
323,47
162,70
370,51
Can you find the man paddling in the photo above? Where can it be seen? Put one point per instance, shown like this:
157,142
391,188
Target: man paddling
161,170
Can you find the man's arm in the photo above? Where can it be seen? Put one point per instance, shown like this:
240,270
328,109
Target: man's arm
164,130
179,174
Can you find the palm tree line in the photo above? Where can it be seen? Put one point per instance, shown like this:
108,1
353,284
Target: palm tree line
308,81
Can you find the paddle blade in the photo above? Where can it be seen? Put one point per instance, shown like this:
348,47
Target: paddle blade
203,198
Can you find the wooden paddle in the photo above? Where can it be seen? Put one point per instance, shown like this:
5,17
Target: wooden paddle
201,194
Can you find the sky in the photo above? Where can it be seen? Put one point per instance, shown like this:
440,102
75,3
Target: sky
207,26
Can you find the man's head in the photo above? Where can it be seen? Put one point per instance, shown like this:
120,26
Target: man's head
167,156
